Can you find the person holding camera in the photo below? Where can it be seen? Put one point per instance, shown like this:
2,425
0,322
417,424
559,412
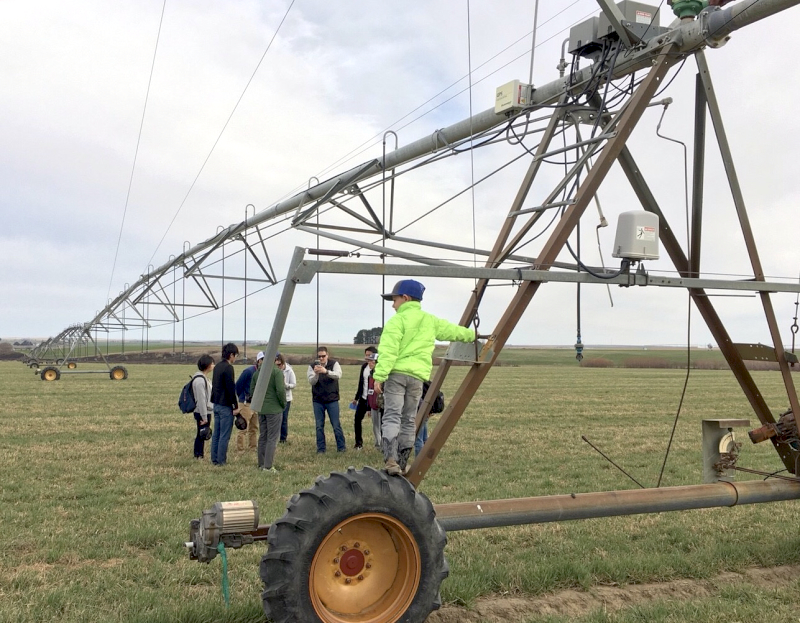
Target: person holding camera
201,390
360,403
406,361
226,406
324,375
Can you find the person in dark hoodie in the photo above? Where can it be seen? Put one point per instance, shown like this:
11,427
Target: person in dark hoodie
226,406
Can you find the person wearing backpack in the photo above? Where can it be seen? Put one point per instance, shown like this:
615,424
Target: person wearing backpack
201,390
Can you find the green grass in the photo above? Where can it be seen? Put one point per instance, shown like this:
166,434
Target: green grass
98,485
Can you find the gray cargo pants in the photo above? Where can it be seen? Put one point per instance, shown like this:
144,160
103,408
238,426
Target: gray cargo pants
401,396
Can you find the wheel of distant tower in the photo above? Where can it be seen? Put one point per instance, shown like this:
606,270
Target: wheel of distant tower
118,373
50,373
72,365
357,546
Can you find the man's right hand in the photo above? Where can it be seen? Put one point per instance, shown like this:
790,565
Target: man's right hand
378,387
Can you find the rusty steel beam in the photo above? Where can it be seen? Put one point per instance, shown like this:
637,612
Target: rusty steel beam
545,509
744,222
496,257
628,119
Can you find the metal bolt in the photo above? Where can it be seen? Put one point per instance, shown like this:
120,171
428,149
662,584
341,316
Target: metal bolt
356,544
366,552
347,580
344,548
336,561
361,577
338,573
369,565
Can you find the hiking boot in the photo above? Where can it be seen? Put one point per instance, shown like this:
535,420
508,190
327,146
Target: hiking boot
392,468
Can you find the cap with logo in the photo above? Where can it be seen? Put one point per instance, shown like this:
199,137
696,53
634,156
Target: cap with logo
409,287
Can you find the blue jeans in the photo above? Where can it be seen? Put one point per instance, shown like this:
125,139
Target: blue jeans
333,415
285,421
421,439
223,425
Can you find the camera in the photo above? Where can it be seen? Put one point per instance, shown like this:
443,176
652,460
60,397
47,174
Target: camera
316,363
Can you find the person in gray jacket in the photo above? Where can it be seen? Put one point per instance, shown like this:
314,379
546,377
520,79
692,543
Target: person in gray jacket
201,389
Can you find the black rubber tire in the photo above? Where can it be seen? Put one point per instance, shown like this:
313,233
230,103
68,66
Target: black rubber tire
50,373
59,362
311,516
114,373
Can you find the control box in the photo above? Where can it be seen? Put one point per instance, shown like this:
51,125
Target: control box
638,18
512,97
637,236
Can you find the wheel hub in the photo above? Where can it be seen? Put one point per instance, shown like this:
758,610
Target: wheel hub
352,562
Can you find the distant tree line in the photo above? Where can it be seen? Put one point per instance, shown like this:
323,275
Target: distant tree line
368,336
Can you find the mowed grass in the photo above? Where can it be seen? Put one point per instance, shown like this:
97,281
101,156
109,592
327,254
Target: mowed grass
98,485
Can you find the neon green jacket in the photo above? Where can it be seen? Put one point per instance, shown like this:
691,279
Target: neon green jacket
408,339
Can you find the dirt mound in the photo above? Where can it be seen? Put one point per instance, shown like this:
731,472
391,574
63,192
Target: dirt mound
575,603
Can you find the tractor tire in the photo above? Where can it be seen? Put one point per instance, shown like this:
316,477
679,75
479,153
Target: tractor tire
72,365
118,373
357,546
50,374
59,362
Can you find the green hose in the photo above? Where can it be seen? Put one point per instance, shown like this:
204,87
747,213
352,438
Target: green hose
226,587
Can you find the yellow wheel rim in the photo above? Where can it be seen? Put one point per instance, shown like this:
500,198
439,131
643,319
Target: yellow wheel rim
50,375
117,375
366,570
72,365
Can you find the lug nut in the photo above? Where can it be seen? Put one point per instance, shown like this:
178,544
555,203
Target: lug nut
338,573
344,548
366,552
369,565
336,561
347,580
356,544
361,577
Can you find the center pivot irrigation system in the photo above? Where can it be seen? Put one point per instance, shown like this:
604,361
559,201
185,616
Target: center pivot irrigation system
364,546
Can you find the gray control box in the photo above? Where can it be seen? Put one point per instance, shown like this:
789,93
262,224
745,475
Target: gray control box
637,16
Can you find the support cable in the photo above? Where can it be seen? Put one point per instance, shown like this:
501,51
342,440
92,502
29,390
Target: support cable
224,127
688,294
136,151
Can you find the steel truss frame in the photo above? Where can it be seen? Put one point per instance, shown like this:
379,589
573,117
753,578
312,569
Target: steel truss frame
610,147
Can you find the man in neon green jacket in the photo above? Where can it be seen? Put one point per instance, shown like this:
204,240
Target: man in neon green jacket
405,362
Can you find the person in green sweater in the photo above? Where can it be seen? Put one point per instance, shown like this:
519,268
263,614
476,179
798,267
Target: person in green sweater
270,416
406,360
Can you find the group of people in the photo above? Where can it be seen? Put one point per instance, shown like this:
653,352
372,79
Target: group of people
229,401
389,390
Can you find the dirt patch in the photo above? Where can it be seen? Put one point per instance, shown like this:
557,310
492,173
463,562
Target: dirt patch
575,603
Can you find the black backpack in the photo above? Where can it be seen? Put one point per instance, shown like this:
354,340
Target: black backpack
186,401
438,404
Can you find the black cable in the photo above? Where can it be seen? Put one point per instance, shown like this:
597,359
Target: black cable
136,151
224,127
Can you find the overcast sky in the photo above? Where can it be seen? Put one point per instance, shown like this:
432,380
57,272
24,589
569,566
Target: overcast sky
74,80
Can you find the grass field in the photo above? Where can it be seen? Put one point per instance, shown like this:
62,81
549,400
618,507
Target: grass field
99,485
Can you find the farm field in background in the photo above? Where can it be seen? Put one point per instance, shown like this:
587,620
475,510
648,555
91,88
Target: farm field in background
99,485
